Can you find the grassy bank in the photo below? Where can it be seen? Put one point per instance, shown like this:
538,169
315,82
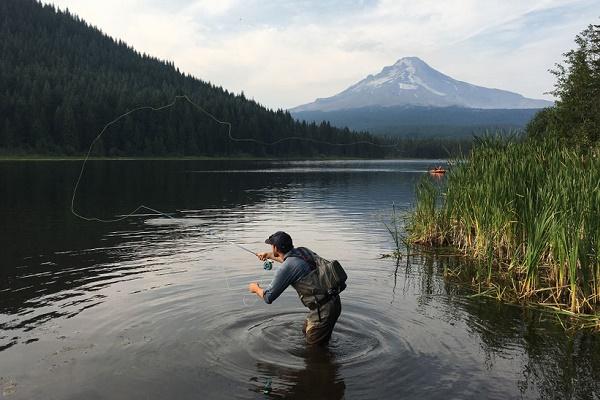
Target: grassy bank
528,213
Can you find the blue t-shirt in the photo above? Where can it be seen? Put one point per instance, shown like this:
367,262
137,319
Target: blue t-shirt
291,270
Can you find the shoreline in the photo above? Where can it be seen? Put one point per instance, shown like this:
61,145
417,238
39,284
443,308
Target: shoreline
524,217
28,158
464,276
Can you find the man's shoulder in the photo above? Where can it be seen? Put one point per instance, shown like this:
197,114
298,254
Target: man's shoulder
302,256
291,261
302,252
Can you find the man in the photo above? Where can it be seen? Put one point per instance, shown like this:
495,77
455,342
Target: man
299,269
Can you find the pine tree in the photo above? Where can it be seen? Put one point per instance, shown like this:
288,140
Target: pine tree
69,131
576,115
61,80
6,135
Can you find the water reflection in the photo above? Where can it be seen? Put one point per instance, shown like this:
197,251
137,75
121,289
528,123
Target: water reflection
551,363
319,379
154,307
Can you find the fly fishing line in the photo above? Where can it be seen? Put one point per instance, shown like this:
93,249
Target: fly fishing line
267,265
212,117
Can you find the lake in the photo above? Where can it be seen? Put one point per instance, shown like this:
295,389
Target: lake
157,306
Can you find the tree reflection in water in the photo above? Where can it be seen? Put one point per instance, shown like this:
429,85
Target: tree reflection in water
556,364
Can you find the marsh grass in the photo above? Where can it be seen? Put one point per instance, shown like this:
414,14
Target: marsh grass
528,213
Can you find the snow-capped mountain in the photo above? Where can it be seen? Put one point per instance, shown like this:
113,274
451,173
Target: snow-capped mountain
411,82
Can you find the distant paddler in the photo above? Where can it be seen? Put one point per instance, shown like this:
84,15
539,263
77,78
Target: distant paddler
317,281
437,170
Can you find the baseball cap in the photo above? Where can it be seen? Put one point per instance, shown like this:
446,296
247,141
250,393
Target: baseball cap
282,240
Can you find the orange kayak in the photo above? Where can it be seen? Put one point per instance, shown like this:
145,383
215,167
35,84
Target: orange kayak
437,171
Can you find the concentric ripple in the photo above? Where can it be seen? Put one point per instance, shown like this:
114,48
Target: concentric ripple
274,340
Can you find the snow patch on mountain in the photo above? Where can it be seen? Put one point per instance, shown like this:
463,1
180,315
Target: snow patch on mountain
419,82
412,82
407,86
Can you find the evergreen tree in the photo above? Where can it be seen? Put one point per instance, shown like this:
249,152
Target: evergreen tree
62,80
6,135
576,115
70,142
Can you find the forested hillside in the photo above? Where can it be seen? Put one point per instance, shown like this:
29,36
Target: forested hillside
413,121
62,80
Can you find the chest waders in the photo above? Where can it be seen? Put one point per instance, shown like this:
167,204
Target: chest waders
325,281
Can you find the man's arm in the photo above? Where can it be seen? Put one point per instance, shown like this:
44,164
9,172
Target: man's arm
254,287
284,276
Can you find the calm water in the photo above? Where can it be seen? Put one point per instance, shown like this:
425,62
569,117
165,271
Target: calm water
157,308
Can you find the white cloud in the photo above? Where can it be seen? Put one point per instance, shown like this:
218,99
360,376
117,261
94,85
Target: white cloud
284,53
211,8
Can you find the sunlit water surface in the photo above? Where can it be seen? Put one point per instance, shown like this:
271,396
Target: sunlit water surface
155,307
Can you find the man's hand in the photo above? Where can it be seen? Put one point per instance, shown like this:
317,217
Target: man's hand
254,287
263,256
269,256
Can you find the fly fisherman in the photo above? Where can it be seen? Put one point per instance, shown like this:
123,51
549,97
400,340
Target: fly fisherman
317,281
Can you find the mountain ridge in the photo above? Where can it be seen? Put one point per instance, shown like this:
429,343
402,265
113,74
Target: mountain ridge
410,81
63,80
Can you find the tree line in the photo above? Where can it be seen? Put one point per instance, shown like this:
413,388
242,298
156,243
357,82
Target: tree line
62,80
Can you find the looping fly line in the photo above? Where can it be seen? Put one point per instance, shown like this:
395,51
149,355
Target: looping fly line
267,265
211,116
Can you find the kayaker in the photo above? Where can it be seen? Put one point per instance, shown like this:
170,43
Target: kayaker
297,265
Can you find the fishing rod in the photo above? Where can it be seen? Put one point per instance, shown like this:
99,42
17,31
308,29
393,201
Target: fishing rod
240,246
267,265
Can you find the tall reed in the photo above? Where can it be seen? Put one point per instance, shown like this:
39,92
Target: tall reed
532,208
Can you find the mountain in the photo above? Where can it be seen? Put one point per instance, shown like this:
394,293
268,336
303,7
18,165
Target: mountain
62,80
411,82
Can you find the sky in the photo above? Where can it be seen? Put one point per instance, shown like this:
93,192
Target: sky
284,53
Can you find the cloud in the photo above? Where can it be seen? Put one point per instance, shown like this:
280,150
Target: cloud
518,53
284,53
359,44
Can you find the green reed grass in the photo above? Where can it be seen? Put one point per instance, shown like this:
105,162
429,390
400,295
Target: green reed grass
528,211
